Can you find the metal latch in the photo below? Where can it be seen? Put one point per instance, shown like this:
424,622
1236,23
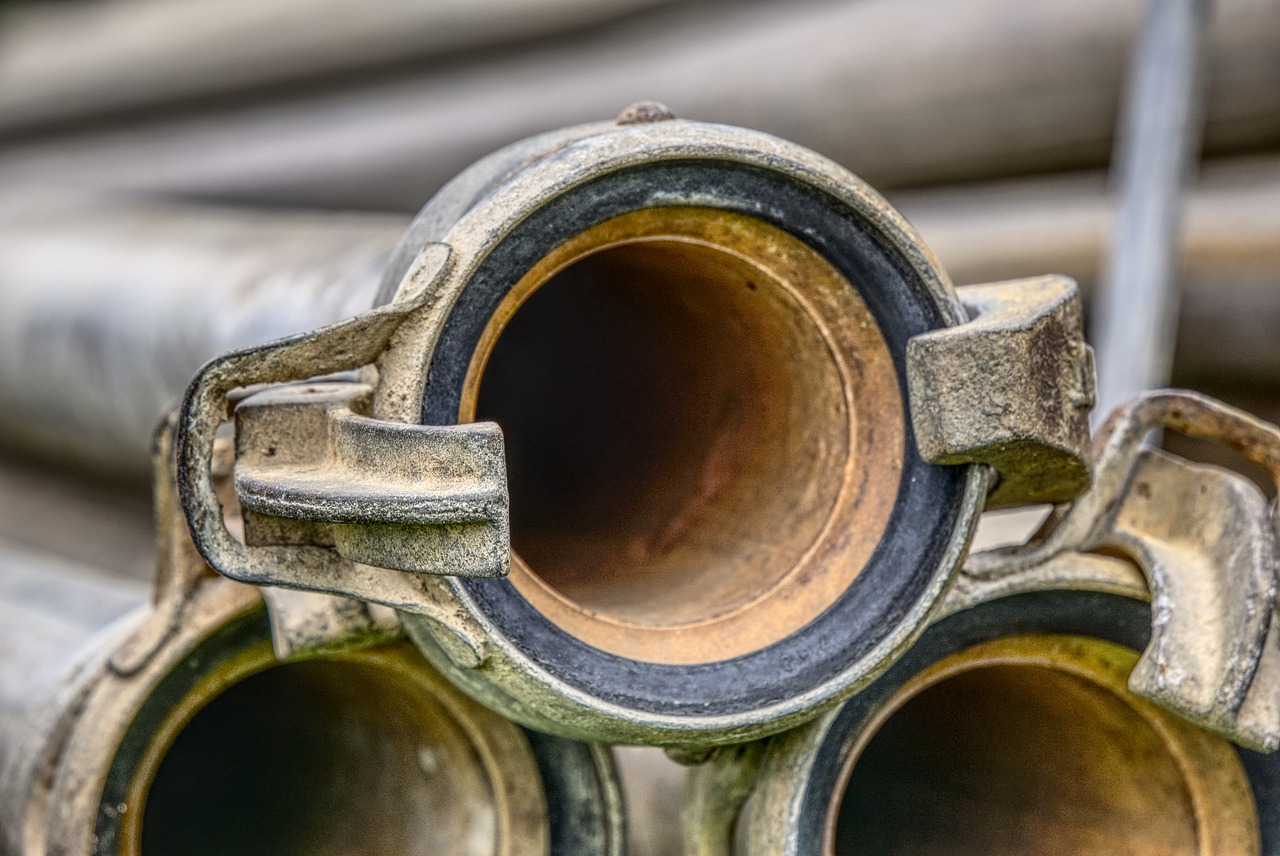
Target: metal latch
332,497
1011,389
311,469
1205,540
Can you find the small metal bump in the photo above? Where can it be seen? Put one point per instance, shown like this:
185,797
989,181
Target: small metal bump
645,112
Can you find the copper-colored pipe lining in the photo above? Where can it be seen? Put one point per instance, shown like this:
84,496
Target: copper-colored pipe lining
698,411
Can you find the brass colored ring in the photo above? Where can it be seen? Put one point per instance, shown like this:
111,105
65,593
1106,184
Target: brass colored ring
1008,728
1066,761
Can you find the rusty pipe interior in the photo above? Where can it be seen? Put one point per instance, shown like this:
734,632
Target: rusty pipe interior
650,414
1035,745
683,430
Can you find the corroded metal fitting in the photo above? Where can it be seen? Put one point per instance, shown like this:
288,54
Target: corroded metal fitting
1067,698
712,354
1205,541
181,728
1009,727
1011,389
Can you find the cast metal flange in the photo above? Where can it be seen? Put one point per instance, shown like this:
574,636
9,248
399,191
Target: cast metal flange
1007,728
698,342
1067,697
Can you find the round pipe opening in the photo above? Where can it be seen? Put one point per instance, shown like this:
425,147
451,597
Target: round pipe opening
331,757
1039,748
667,413
683,395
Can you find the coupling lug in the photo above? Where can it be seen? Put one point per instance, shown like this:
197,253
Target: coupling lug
336,500
1012,389
428,499
1205,541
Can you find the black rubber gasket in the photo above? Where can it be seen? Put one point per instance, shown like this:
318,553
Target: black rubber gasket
926,510
246,631
1113,618
578,809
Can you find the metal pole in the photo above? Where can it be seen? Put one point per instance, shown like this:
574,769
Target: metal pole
1159,139
928,91
107,307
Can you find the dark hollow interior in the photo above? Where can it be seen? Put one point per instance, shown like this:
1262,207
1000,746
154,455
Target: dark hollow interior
671,418
319,758
1015,760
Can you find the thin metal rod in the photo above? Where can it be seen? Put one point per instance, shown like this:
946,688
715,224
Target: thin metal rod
1159,139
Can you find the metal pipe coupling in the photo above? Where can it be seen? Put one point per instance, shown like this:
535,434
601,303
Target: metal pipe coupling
1079,694
747,426
178,728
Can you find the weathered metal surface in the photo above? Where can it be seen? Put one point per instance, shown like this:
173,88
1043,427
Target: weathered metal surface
535,682
181,730
345,346
1184,620
1011,389
1018,743
310,469
970,742
1205,540
716,792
